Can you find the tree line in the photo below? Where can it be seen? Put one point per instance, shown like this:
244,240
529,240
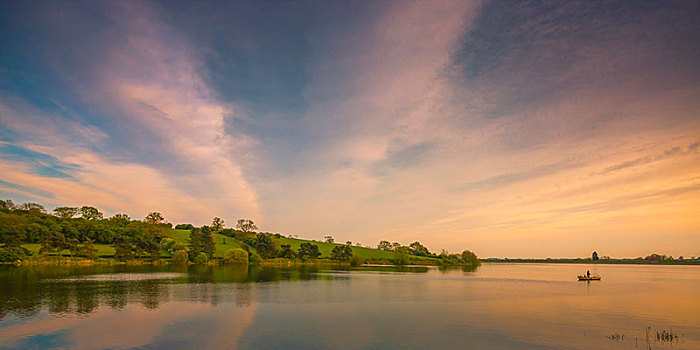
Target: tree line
78,229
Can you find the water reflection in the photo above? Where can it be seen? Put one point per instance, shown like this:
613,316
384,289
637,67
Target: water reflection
27,291
511,306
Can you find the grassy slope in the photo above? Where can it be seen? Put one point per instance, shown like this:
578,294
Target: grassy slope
326,248
102,249
183,237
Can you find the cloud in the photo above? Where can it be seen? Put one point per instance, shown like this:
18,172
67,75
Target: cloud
672,152
152,120
513,177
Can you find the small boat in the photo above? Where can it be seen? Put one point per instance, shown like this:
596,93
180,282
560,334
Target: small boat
588,278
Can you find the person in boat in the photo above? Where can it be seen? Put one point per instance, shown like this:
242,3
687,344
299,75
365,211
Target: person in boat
588,273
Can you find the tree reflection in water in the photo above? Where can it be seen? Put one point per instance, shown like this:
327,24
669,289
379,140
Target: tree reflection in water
27,291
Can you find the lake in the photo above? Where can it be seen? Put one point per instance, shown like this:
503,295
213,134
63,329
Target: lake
495,306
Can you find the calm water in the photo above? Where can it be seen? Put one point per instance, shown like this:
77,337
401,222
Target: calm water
497,306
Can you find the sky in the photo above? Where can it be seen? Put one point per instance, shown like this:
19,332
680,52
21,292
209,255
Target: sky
513,129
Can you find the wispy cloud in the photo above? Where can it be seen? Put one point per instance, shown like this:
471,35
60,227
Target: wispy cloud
459,124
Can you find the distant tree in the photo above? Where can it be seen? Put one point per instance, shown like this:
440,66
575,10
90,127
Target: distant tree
88,250
184,226
341,252
469,257
33,208
265,246
65,212
328,239
120,219
357,260
124,248
418,249
401,258
8,204
90,213
384,245
180,257
595,256
246,225
196,243
308,251
348,242
208,242
236,256
395,245
287,252
12,229
217,224
154,218
201,258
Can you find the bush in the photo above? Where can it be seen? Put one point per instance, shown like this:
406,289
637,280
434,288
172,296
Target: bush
202,258
254,258
12,254
236,256
357,260
401,259
180,257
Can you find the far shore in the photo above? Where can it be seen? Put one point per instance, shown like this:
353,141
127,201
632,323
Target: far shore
591,261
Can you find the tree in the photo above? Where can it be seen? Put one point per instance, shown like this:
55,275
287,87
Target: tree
418,249
154,218
265,246
120,219
308,251
180,257
208,243
287,252
341,252
196,244
88,250
8,204
65,212
469,257
217,224
236,256
357,260
246,225
395,245
184,227
90,213
12,229
328,239
595,256
33,208
202,258
73,246
384,245
401,258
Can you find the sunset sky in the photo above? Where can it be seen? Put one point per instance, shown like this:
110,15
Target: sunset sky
519,129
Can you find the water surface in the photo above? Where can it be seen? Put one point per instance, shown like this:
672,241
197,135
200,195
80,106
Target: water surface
496,306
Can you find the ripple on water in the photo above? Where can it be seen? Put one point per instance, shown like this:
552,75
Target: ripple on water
123,277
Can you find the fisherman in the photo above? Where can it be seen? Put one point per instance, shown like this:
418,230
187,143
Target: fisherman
588,273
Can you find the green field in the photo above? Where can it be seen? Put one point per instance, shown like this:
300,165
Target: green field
183,236
367,253
102,249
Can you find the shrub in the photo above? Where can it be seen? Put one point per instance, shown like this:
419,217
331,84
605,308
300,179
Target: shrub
357,260
201,258
11,254
236,256
401,259
254,258
180,257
